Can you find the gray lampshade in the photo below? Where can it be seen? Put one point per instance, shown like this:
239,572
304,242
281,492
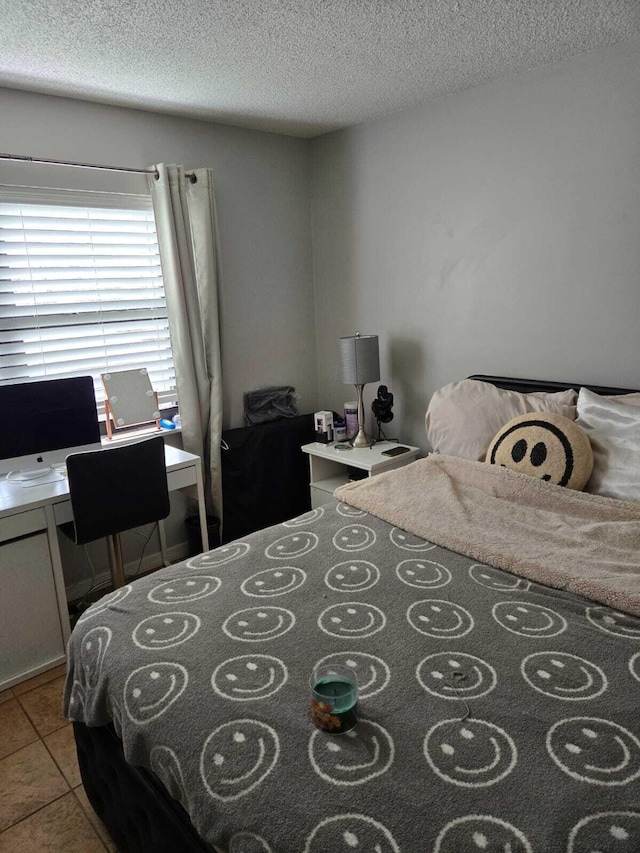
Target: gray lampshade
359,359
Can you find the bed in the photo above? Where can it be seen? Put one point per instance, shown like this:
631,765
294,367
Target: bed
497,712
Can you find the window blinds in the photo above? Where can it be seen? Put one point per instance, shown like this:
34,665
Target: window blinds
81,293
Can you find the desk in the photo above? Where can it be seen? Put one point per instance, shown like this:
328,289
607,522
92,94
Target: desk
34,620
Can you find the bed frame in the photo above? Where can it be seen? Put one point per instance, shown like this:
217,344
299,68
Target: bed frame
134,806
529,386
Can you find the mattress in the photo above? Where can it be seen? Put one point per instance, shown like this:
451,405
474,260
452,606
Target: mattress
132,802
495,713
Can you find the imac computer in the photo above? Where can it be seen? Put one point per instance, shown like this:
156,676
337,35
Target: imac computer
41,423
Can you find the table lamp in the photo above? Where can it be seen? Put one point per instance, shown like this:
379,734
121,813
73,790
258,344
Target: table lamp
359,364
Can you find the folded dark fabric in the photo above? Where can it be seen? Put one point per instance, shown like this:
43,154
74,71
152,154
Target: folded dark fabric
270,404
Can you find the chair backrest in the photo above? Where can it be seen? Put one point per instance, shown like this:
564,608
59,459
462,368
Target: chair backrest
118,488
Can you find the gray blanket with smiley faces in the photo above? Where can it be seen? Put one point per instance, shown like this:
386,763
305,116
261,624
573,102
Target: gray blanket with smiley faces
495,713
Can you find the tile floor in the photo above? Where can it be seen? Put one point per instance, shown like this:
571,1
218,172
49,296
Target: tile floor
43,805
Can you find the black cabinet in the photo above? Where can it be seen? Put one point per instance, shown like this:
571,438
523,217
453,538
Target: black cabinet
265,475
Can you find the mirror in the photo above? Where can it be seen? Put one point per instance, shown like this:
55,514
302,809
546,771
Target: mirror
130,399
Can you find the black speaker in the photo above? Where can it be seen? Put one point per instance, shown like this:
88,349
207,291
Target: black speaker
381,407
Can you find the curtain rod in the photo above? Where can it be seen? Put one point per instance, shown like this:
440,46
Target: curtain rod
23,158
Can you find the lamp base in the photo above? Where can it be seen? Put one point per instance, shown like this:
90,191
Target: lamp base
362,440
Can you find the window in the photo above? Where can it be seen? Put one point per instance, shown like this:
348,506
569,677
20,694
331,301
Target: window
81,289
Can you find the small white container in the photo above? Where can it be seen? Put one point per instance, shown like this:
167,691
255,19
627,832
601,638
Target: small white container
323,421
340,430
324,426
351,418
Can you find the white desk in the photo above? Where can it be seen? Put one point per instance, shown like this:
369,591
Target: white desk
34,620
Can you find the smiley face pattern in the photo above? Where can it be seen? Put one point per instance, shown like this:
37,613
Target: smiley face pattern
480,693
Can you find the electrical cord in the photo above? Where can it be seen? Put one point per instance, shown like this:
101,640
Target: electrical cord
95,584
21,477
82,603
146,542
93,570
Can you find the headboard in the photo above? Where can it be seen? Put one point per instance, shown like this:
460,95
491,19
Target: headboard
527,386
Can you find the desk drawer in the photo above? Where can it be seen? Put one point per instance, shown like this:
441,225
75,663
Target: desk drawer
30,629
21,524
62,512
181,478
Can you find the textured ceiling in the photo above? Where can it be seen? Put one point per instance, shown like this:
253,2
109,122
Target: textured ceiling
301,67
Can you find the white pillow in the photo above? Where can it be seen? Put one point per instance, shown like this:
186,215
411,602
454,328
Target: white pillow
463,417
613,428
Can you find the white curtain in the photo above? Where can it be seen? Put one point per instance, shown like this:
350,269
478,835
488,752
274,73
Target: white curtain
184,209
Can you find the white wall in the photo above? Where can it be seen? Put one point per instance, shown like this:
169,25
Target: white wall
262,198
493,231
268,334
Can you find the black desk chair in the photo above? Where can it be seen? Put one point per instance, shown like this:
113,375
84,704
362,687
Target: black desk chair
114,490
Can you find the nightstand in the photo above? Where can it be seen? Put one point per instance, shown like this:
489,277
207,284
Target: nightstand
328,467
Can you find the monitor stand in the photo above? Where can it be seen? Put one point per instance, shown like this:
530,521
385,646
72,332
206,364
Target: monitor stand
25,474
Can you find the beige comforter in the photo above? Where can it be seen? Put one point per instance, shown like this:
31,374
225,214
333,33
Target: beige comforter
559,537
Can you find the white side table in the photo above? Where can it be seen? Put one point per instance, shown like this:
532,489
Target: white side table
328,466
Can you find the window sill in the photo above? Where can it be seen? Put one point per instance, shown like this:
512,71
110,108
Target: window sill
136,434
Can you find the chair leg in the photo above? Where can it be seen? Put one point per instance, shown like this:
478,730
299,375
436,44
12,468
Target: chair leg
116,563
163,543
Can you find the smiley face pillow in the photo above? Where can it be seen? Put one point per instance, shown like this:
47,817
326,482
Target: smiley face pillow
544,445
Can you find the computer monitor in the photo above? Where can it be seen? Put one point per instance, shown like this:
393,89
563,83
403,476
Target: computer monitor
42,422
